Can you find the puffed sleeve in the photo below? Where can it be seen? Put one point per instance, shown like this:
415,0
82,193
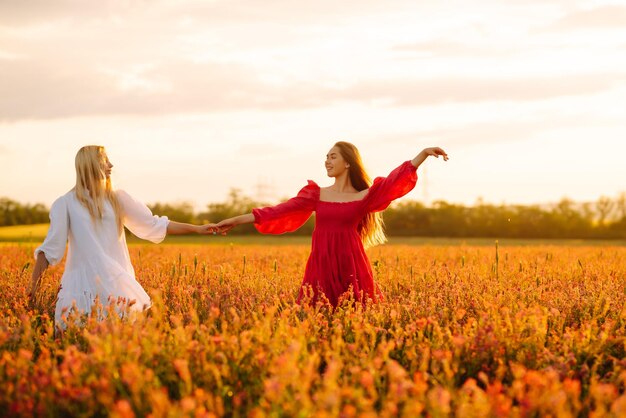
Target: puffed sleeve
139,219
54,245
386,189
290,215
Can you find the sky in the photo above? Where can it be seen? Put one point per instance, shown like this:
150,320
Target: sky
193,98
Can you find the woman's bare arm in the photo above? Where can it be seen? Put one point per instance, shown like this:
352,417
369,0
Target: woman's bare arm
425,153
40,266
179,228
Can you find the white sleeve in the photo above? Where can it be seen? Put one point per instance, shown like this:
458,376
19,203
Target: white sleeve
139,219
54,245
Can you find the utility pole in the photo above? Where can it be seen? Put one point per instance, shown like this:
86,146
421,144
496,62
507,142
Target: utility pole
265,191
425,184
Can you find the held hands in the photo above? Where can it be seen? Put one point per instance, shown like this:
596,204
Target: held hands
226,225
206,229
221,228
212,229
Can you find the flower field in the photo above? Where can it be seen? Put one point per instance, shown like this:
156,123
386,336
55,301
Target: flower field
464,331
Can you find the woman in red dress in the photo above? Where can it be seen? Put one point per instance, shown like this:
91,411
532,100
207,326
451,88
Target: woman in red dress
347,221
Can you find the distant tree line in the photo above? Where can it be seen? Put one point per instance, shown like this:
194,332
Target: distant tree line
15,213
605,218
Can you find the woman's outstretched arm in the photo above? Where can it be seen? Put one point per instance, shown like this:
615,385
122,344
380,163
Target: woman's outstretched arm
399,182
281,218
425,153
138,218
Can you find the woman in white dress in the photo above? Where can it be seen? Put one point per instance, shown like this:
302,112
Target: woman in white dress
92,217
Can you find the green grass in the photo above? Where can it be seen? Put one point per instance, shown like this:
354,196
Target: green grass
37,233
23,233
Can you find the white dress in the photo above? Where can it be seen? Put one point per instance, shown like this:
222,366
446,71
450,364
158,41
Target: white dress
98,264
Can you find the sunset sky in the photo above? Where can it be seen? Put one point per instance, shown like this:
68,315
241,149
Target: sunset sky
193,98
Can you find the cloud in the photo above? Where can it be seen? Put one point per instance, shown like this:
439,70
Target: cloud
604,17
47,89
277,11
34,12
41,90
444,47
479,134
139,57
443,90
265,150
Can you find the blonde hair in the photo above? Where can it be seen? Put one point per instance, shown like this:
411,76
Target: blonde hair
93,186
372,228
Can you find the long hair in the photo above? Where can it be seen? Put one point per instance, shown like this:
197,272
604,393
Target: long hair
371,229
92,185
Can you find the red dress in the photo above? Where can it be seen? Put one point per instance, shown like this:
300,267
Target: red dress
338,261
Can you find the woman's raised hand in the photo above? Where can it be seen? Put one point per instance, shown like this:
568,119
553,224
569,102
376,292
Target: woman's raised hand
435,152
428,152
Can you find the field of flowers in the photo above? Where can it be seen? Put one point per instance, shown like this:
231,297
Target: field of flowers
464,331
